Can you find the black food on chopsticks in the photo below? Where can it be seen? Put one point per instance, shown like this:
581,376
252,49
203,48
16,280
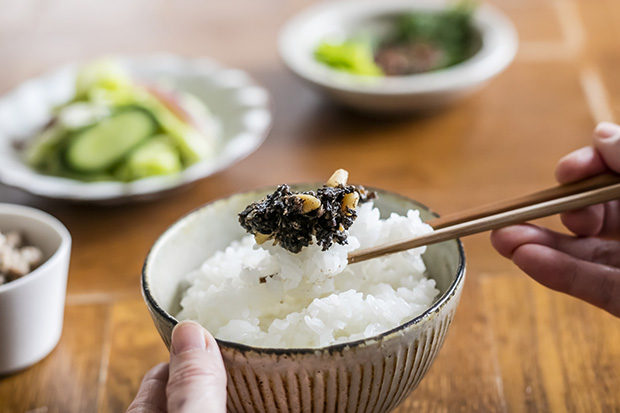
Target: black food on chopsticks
294,220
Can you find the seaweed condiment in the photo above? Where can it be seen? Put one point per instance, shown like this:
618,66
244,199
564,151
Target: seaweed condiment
294,220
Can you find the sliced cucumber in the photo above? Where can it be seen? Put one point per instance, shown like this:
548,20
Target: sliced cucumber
157,156
46,147
102,145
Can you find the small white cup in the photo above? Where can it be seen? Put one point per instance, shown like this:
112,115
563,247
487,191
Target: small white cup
32,307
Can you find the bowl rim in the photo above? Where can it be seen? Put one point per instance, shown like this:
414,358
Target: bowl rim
447,296
16,173
498,50
43,219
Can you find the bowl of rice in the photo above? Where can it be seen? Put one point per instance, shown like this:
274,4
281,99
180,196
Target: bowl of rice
306,331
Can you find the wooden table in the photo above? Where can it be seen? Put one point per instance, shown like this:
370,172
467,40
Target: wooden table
514,345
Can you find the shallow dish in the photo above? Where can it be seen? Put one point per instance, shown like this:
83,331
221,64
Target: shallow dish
399,94
241,108
374,374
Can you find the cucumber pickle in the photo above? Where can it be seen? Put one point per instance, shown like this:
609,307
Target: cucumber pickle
101,146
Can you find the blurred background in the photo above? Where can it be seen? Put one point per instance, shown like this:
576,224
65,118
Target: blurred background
514,345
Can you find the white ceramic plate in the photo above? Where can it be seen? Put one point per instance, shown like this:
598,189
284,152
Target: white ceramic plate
241,108
341,19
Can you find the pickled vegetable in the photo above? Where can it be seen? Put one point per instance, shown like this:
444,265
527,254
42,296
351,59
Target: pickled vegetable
107,142
117,129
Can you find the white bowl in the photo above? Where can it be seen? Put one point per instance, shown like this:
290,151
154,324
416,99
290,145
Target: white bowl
241,108
32,307
426,91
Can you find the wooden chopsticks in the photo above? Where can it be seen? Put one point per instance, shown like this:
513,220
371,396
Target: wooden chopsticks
558,191
551,201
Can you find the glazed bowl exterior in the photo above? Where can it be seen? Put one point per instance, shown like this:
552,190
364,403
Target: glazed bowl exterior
374,374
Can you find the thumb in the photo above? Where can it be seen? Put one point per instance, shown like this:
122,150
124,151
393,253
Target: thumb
197,381
607,142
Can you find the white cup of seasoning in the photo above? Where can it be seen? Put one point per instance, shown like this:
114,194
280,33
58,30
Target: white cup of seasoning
32,305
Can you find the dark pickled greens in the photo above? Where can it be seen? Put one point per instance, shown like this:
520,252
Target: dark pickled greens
294,220
418,42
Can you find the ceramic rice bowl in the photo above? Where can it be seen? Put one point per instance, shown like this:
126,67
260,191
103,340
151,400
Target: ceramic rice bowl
374,374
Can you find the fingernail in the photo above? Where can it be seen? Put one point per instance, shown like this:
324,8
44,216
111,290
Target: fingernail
186,336
581,154
606,130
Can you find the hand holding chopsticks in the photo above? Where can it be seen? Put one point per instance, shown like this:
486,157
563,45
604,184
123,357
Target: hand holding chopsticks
552,201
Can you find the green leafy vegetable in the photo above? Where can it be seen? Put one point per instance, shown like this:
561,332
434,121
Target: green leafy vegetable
418,42
450,31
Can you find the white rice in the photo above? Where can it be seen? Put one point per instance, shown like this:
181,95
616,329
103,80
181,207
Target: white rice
311,299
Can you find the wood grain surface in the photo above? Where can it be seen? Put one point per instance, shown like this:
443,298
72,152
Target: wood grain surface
514,346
